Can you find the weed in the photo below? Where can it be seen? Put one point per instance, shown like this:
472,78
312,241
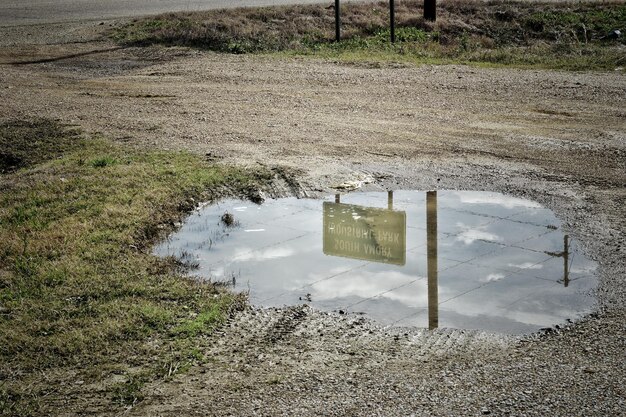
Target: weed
129,393
187,262
202,323
103,161
228,219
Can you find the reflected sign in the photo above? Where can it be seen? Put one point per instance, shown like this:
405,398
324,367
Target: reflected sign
367,233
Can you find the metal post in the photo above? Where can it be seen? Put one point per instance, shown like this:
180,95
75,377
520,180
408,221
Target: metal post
566,260
337,198
392,20
390,200
337,21
430,10
431,250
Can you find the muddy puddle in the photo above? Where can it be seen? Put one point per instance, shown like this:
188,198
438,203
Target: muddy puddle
458,259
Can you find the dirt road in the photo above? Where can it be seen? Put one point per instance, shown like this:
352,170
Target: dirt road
555,137
29,12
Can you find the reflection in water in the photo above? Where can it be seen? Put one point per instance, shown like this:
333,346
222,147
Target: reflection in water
367,233
565,256
437,259
431,251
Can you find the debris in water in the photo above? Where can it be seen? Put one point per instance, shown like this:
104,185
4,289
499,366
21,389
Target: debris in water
228,219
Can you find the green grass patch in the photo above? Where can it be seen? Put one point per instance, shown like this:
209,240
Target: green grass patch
563,35
129,392
103,161
81,297
203,322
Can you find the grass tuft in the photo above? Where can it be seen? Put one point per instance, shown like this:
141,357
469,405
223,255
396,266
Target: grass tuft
129,392
103,161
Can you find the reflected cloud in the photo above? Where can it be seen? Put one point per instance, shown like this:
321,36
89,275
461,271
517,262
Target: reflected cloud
492,278
217,272
473,197
469,235
585,269
368,284
526,265
248,254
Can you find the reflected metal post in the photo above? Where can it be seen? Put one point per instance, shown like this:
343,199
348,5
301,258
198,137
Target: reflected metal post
337,21
390,200
566,260
431,239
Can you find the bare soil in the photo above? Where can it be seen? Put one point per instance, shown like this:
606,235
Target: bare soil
555,137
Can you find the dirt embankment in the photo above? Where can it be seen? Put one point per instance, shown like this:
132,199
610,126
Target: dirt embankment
555,137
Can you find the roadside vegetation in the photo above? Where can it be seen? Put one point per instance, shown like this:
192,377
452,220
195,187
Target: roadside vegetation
86,311
564,35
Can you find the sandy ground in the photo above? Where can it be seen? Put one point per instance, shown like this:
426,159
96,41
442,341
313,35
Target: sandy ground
555,137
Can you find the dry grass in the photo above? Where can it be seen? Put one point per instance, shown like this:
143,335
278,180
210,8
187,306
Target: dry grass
571,35
26,143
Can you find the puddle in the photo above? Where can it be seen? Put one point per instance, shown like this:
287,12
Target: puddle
457,259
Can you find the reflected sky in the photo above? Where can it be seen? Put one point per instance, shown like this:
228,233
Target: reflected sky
500,260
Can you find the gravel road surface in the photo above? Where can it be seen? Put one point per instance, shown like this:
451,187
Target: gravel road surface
27,12
555,137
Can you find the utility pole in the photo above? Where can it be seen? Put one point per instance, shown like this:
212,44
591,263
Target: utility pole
431,250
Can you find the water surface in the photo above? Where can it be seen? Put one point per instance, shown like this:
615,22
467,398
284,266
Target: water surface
460,259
